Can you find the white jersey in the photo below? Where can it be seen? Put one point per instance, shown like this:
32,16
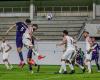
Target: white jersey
27,33
70,43
88,41
4,47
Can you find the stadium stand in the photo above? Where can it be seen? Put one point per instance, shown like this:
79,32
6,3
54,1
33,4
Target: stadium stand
48,30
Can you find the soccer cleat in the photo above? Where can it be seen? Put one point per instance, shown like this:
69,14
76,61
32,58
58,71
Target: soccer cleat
72,71
32,62
83,70
31,72
40,57
98,70
22,65
35,64
65,72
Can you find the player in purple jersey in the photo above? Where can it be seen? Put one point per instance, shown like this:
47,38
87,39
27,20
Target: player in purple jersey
20,30
95,54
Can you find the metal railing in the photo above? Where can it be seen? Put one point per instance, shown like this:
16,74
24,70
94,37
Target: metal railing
66,10
61,8
14,9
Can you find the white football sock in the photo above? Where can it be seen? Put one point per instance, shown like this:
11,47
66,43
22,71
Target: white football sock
71,66
6,64
80,66
89,66
61,69
63,64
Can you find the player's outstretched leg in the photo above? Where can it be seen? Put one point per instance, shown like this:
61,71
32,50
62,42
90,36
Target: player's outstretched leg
39,56
30,61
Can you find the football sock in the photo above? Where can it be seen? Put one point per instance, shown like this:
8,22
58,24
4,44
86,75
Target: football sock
89,66
21,56
6,64
71,66
63,65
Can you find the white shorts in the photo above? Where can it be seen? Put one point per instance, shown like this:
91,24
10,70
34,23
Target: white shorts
88,56
5,56
27,42
68,54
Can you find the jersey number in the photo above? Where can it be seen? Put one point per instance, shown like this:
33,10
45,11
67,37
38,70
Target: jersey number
22,29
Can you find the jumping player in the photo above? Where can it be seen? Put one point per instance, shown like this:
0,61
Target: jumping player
88,55
20,30
28,41
95,54
5,48
67,56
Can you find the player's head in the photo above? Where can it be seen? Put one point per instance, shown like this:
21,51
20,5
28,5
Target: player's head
28,21
85,34
65,32
3,39
35,27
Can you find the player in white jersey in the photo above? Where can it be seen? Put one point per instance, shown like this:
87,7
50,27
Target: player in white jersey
29,43
88,55
68,54
5,48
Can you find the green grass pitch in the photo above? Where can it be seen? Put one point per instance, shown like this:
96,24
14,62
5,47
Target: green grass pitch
46,73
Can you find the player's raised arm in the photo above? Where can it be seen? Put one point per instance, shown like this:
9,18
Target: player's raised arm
9,47
10,29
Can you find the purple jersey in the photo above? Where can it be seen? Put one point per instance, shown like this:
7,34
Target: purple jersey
96,49
20,29
95,53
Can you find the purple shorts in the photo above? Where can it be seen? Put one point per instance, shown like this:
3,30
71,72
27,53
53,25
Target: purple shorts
19,43
95,56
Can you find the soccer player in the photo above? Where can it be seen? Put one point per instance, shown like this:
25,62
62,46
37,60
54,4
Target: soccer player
28,41
5,48
70,49
78,56
20,30
95,53
88,55
79,59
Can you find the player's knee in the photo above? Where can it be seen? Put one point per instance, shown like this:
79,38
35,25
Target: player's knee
19,50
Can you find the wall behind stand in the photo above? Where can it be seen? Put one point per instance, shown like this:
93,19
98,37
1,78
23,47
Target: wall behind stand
48,48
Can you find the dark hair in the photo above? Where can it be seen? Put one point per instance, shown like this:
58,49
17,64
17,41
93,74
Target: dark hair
65,32
28,21
35,25
86,32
